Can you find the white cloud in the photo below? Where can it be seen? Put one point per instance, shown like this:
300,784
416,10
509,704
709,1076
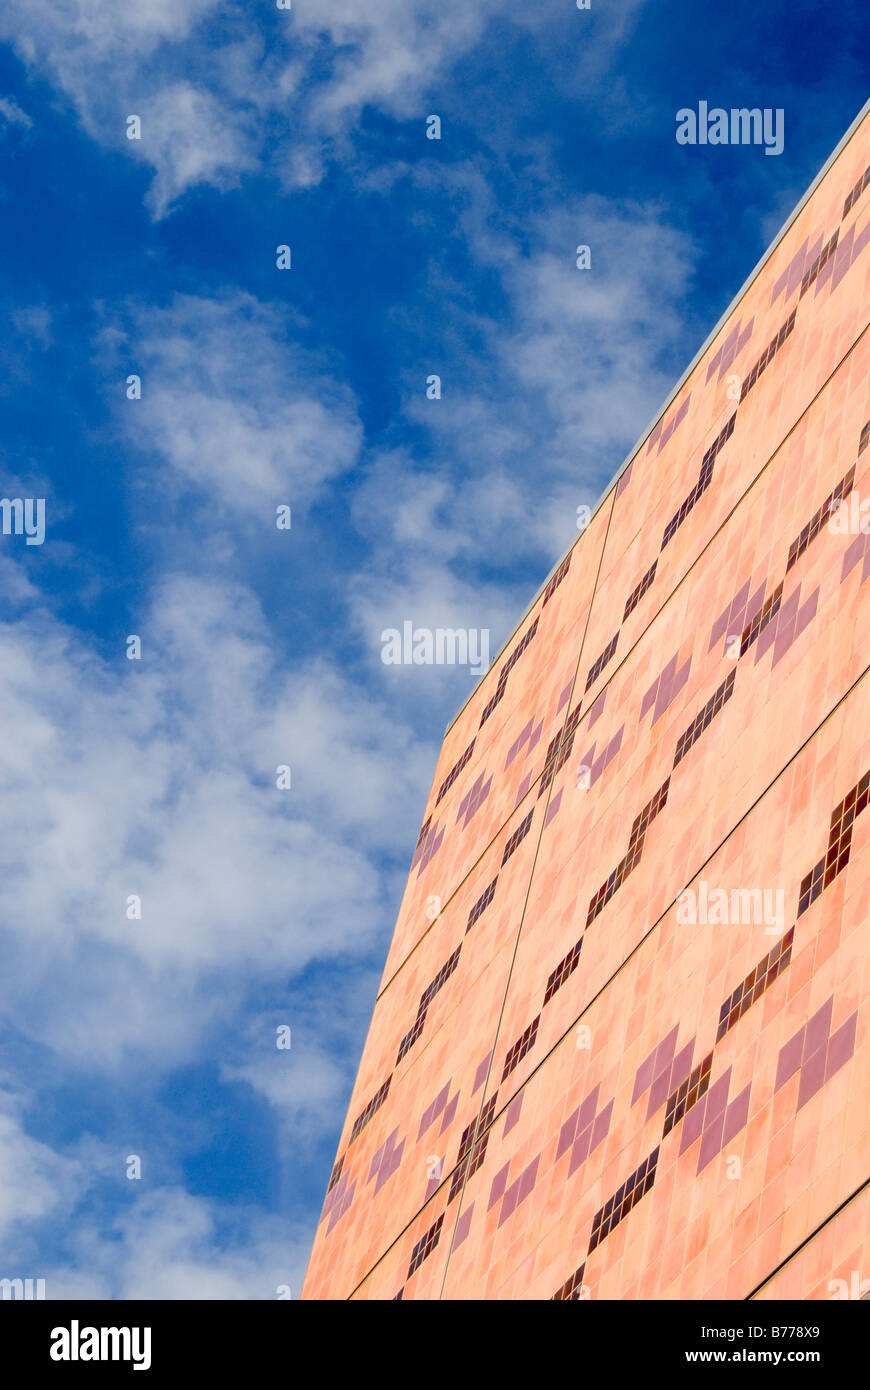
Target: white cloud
284,88
12,113
33,322
158,779
171,1245
190,137
536,419
307,1083
161,1243
231,405
36,1181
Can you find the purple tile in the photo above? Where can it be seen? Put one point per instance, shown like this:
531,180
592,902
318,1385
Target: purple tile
670,685
509,1204
596,709
343,1196
553,807
860,243
681,677
516,746
711,1142
767,638
601,1127
796,264
719,628
780,285
586,1113
693,1124
663,698
659,1092
430,848
513,1113
736,1115
717,1098
566,1135
739,602
534,737
751,607
499,1183
615,744
581,1150
389,1166
523,787
463,1226
682,1065
480,1074
376,1159
440,1101
528,1179
812,1077
431,1113
649,697
449,1113
842,257
824,276
789,1059
841,1047
801,264
563,698
784,639
818,1030
643,1078
666,1050
853,554
474,798
729,348
713,363
807,612
625,478
785,624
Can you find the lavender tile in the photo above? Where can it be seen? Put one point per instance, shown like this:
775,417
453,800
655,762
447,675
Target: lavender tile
812,1077
818,1029
842,1046
449,1113
693,1124
480,1074
553,807
711,1142
499,1183
789,1059
717,1097
463,1226
601,1126
736,1115
513,1113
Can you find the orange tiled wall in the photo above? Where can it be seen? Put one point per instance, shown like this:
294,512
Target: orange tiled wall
570,1087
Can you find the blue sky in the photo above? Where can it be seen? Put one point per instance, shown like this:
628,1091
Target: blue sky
262,647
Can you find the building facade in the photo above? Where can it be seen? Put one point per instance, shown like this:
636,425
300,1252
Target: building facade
621,1047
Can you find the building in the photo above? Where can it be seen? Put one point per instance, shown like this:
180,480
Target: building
621,1048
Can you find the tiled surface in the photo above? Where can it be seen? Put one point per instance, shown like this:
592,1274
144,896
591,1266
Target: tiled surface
621,1047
